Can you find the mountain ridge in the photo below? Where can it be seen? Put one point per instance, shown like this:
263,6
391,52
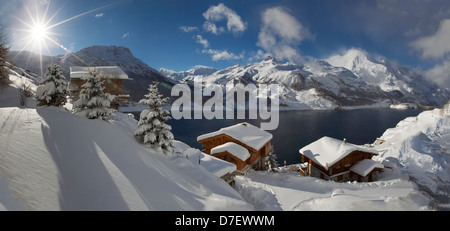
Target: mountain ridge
352,80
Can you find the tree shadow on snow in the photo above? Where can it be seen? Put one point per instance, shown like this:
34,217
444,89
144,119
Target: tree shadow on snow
85,183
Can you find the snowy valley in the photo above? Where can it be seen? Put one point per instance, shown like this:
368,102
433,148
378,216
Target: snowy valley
51,159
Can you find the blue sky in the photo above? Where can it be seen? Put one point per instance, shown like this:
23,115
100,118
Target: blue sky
180,34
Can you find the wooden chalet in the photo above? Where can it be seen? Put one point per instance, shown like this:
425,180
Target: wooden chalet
337,160
112,76
243,144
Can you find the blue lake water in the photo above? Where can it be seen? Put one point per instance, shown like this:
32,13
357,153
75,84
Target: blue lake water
299,128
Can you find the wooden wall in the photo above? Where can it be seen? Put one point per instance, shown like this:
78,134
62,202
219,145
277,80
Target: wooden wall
112,86
215,141
343,165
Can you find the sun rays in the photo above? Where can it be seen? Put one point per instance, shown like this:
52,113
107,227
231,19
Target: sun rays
38,29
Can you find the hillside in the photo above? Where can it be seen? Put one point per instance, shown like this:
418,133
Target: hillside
419,147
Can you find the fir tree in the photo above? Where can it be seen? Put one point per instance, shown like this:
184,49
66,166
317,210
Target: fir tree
151,125
272,159
4,73
53,89
93,102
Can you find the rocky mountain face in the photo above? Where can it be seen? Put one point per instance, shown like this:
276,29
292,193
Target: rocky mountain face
353,80
142,75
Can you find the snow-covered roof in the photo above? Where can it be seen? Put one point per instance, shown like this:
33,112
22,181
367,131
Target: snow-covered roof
365,166
232,148
109,72
327,151
210,163
246,133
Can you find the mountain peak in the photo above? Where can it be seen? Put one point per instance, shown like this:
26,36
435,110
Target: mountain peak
350,59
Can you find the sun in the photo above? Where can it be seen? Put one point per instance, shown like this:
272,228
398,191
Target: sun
39,32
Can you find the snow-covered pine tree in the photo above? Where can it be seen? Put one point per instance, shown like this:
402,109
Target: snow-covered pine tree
151,125
53,89
272,158
4,72
93,102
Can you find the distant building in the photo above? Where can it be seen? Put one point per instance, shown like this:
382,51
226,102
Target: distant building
243,144
337,160
113,78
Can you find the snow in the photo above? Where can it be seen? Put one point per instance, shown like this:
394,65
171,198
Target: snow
418,146
293,192
54,160
51,159
326,151
349,81
210,163
7,202
232,148
246,133
365,166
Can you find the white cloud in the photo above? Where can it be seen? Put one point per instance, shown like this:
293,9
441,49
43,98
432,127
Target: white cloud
440,74
257,56
188,29
99,15
437,45
126,35
280,33
222,55
221,12
201,40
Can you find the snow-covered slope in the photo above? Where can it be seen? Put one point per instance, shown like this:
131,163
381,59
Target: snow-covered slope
292,191
419,147
51,159
54,160
349,81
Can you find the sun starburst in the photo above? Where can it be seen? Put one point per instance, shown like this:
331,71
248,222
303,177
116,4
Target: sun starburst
38,30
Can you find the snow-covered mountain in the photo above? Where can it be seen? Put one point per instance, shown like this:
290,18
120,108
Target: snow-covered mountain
352,80
349,81
191,73
141,73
